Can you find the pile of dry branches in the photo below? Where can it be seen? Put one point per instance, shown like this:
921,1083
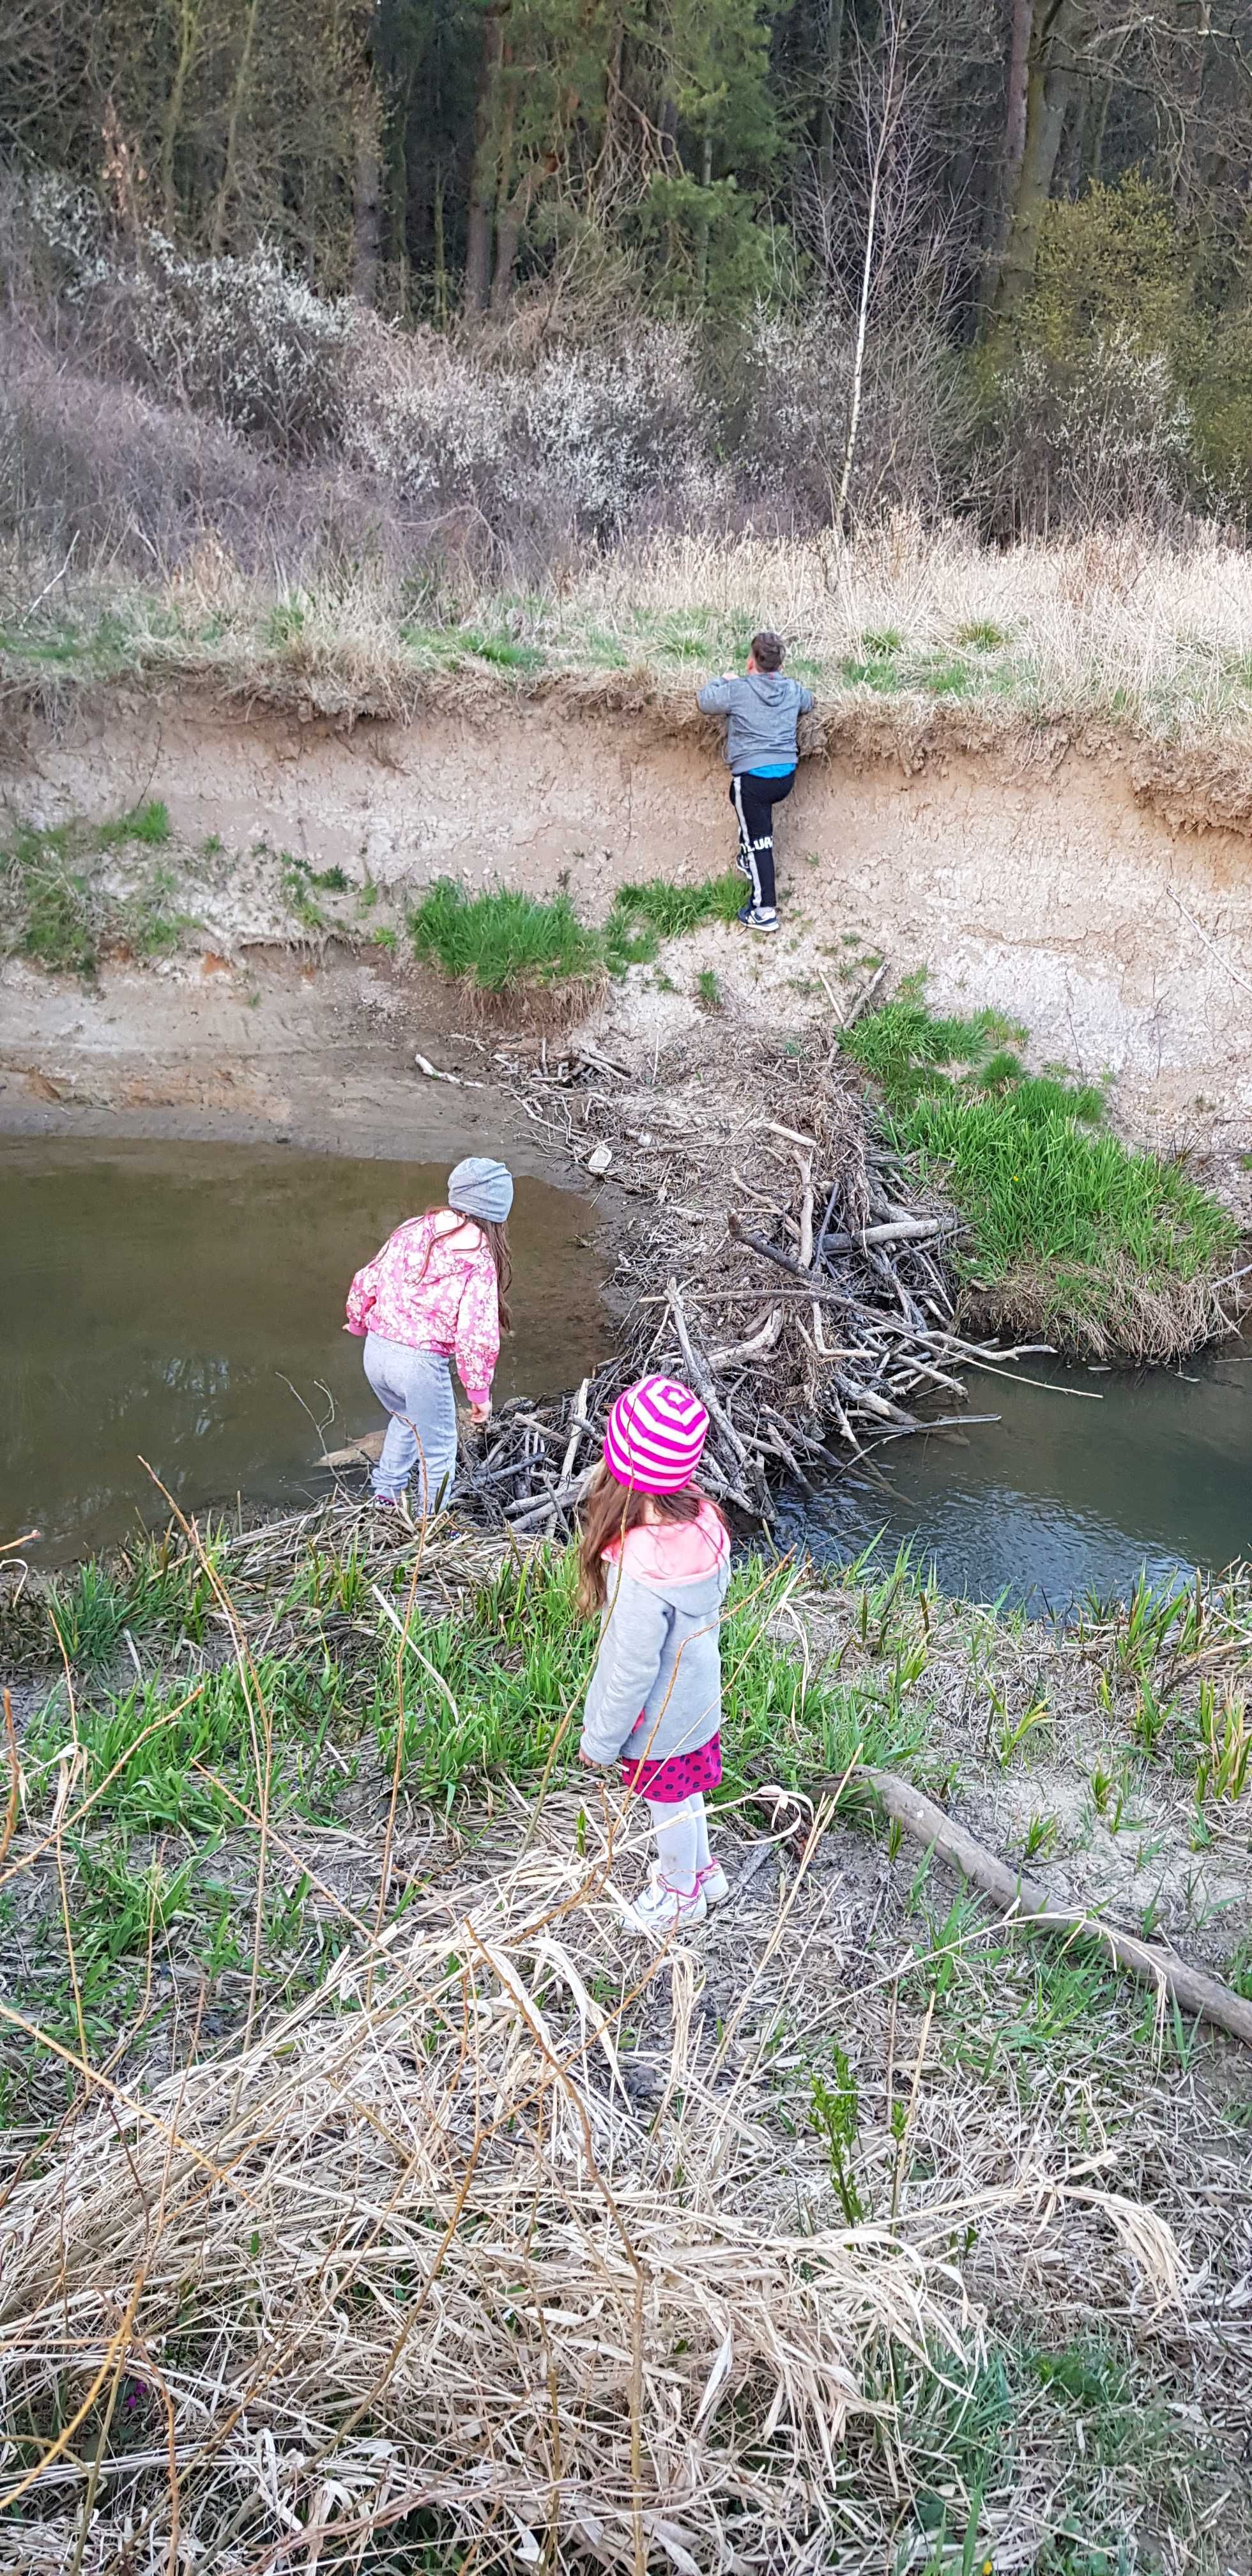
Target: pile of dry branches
781,1268
421,2260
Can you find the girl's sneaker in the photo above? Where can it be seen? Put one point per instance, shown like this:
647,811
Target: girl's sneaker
713,1883
662,1910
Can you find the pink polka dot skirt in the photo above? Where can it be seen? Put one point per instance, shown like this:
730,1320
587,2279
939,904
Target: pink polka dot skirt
670,1782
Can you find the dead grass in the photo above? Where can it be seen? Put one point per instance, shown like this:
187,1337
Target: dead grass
902,630
1125,1316
864,2231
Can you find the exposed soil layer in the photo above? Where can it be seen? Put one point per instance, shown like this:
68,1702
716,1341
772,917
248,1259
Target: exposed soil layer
1044,875
318,1055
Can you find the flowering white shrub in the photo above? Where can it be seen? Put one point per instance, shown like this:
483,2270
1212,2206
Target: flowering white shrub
239,337
1104,435
242,339
52,217
587,432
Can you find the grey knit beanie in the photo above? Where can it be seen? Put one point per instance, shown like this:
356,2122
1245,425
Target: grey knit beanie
481,1188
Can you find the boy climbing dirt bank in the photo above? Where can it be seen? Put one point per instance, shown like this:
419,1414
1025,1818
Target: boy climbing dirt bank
763,710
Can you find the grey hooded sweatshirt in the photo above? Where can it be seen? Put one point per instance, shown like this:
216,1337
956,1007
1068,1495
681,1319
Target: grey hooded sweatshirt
763,708
657,1687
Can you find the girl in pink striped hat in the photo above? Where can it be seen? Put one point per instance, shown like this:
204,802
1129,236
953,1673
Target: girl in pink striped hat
654,1559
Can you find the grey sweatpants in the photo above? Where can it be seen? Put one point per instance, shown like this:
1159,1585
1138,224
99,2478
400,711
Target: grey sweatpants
416,1388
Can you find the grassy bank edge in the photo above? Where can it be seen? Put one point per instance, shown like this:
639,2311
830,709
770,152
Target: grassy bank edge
1110,1250
167,1869
910,639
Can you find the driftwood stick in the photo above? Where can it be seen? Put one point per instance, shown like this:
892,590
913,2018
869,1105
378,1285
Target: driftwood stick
805,1162
753,1347
830,1210
866,995
902,1229
1191,1988
532,1507
707,1392
757,1243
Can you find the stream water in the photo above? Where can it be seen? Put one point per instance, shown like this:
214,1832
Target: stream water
184,1303
1085,1479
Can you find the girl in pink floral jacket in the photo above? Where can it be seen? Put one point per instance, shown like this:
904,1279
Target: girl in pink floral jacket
437,1290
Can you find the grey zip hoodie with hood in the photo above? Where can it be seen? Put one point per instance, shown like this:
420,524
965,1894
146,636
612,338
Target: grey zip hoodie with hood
763,708
657,1687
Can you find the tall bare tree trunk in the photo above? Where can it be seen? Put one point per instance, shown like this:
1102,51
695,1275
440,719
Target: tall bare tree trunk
510,209
702,244
238,95
366,204
1049,89
1093,132
484,177
172,111
1004,188
828,121
894,77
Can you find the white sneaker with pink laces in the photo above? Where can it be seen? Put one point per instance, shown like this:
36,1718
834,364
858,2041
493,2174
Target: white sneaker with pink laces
663,1910
713,1883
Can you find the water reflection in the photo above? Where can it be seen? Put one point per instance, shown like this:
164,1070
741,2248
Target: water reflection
1064,1496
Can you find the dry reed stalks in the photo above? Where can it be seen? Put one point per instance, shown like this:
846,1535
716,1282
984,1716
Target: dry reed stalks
416,2252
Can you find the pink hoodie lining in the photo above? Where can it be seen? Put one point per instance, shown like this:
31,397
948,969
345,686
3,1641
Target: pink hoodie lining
673,1551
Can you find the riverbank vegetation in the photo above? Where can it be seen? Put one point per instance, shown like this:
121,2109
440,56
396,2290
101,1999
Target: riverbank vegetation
1070,1231
512,945
905,627
366,2158
210,468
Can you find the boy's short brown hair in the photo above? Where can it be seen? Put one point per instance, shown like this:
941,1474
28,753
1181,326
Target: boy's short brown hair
768,650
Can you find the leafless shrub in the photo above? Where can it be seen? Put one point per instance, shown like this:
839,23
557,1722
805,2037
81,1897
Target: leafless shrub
145,485
787,397
1087,445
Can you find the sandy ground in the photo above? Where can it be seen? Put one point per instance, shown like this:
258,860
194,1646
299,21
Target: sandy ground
284,1049
1044,878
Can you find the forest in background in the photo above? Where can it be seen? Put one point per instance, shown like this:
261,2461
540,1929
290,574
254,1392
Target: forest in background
505,280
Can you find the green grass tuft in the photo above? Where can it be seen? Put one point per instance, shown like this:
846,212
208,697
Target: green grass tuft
503,652
501,940
61,916
147,823
644,915
1085,1235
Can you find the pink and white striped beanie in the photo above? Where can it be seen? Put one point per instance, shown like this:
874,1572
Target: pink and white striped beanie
655,1435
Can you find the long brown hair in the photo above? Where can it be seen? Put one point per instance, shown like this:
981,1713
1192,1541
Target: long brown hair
496,1238
609,1510
498,1246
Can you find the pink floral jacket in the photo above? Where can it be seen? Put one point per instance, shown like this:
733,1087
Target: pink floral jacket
421,1290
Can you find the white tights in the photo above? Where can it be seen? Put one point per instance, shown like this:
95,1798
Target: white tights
682,1841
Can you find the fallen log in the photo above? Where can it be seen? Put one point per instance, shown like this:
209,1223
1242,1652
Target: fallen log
1191,1988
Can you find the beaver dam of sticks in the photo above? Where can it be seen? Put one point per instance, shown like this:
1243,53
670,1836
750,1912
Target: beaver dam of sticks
774,1255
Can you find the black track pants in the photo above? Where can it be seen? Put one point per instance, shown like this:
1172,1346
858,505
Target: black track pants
754,799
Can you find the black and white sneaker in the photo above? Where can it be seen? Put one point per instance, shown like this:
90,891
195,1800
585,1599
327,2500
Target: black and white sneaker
754,919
